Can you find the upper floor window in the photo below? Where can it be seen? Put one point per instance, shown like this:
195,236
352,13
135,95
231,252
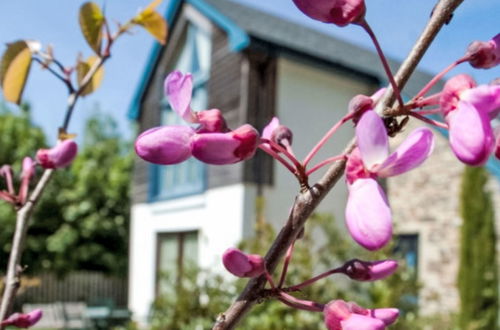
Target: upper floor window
187,177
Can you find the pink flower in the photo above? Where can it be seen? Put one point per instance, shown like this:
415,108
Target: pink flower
368,215
468,110
369,270
484,54
23,320
59,156
211,142
341,315
241,264
339,12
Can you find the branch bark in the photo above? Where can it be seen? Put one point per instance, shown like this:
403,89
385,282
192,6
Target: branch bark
307,201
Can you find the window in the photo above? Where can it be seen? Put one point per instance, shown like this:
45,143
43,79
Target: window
188,177
407,248
176,253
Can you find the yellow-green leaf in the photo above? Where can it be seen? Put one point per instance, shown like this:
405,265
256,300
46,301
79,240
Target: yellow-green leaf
82,68
14,69
153,22
91,23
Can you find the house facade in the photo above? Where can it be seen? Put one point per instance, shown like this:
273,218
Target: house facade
252,66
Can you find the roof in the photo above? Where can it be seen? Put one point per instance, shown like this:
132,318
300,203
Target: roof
242,23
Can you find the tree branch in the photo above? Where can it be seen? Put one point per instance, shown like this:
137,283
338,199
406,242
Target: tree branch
307,201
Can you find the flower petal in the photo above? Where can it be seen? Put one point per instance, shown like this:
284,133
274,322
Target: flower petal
368,216
226,148
410,154
241,264
59,156
165,145
471,136
484,98
386,315
371,137
361,322
179,89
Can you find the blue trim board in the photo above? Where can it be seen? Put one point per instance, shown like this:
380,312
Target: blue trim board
238,38
238,41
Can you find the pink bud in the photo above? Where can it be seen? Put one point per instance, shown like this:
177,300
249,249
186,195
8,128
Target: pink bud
370,270
59,156
278,133
165,145
226,148
484,54
23,320
339,12
241,264
211,121
361,322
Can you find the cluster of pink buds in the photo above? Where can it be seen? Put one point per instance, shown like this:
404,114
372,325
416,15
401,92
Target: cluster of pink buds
23,320
57,157
211,142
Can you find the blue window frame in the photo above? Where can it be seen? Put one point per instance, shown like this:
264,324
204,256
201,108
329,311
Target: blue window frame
188,177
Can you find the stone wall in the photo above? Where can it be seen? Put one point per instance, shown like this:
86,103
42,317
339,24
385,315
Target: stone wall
425,201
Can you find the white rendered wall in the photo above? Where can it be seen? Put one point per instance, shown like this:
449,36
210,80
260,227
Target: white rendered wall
310,100
217,215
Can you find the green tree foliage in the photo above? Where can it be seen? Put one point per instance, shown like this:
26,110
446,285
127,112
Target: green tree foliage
478,273
324,246
86,207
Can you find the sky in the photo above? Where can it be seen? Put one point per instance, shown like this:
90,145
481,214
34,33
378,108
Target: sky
396,23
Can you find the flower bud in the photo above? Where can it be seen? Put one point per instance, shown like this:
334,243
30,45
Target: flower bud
369,270
59,156
338,12
484,54
278,133
165,145
341,315
226,148
211,121
241,264
23,320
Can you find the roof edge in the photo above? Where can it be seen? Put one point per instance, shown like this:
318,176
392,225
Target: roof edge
238,41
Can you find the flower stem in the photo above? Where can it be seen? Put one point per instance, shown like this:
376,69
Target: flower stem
299,303
428,120
364,24
288,257
438,77
325,162
325,138
314,279
280,159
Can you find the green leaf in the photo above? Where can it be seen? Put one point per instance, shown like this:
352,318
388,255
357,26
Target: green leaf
153,22
14,70
82,68
91,23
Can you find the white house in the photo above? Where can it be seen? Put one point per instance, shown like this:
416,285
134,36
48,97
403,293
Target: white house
252,66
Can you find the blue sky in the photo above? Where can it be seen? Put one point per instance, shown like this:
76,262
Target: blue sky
397,24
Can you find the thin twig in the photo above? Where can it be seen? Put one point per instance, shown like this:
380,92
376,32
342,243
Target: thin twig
307,201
